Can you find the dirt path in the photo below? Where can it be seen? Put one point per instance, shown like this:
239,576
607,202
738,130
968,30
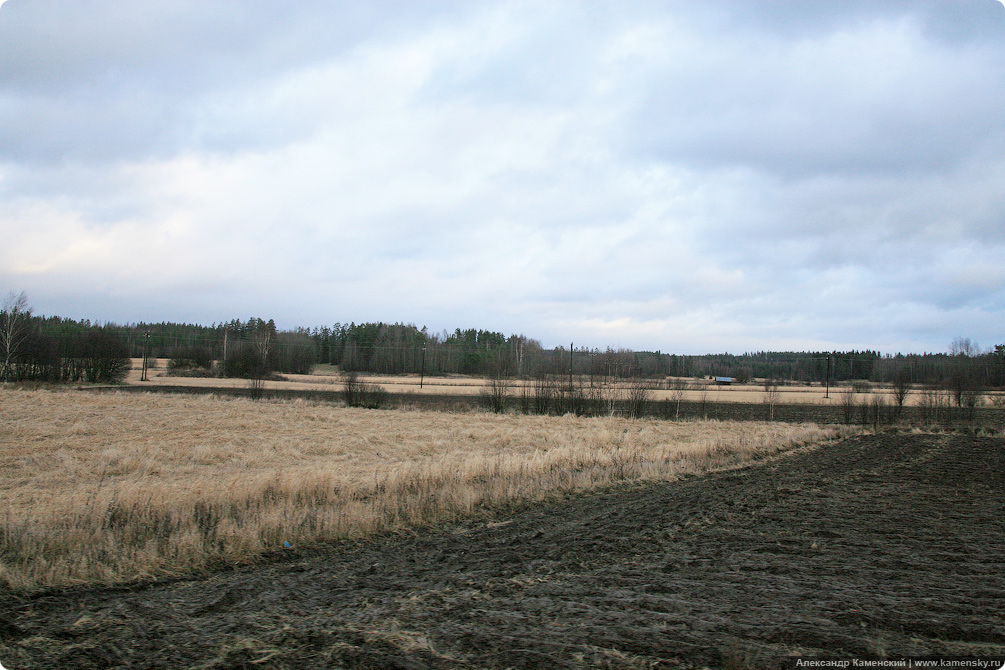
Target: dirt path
890,545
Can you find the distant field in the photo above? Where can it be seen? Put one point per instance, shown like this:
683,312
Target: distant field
469,386
120,486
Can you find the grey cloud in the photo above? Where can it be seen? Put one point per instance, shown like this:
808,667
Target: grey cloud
801,109
663,175
176,46
951,21
105,81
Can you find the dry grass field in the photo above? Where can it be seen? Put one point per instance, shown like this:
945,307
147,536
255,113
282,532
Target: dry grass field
110,487
877,547
325,378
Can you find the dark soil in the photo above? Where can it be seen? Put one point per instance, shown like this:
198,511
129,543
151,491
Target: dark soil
889,545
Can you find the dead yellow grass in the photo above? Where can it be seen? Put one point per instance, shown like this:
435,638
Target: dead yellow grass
115,487
466,386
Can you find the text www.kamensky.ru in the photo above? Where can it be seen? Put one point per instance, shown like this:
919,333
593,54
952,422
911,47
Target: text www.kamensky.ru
929,662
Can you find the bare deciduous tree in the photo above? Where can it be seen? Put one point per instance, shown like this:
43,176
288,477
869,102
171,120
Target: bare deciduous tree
966,381
358,393
964,346
545,391
703,402
878,410
14,330
262,345
495,394
771,396
639,394
677,388
848,403
934,403
351,384
901,388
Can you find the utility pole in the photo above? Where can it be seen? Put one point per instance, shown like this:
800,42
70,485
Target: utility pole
422,373
146,347
828,394
571,345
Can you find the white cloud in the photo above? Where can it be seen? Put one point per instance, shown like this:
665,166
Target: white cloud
667,176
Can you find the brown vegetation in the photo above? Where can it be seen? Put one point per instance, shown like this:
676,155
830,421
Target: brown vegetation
115,487
875,548
531,394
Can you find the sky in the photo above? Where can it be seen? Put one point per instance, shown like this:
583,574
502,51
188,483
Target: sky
689,177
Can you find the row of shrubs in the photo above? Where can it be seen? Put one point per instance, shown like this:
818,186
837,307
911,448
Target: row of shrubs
257,363
96,356
284,353
579,396
560,395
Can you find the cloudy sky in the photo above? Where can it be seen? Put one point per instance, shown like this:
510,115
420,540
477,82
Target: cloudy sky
724,175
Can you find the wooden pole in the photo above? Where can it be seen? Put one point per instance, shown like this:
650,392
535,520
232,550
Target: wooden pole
422,373
146,347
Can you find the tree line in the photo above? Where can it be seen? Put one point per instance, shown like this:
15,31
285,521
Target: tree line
59,349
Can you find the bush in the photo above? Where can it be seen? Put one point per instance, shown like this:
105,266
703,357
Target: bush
543,399
639,393
295,353
848,404
357,393
245,361
107,361
573,399
495,395
198,360
934,404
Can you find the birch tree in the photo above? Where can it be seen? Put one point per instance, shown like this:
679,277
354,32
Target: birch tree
13,330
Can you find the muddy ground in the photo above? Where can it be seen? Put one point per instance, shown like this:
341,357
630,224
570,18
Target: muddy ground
885,545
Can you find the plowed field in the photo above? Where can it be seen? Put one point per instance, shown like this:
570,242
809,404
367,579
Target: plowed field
886,545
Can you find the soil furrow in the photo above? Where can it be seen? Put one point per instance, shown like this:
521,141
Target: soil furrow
885,545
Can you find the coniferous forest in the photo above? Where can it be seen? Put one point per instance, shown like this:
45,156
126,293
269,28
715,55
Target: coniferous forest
59,349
